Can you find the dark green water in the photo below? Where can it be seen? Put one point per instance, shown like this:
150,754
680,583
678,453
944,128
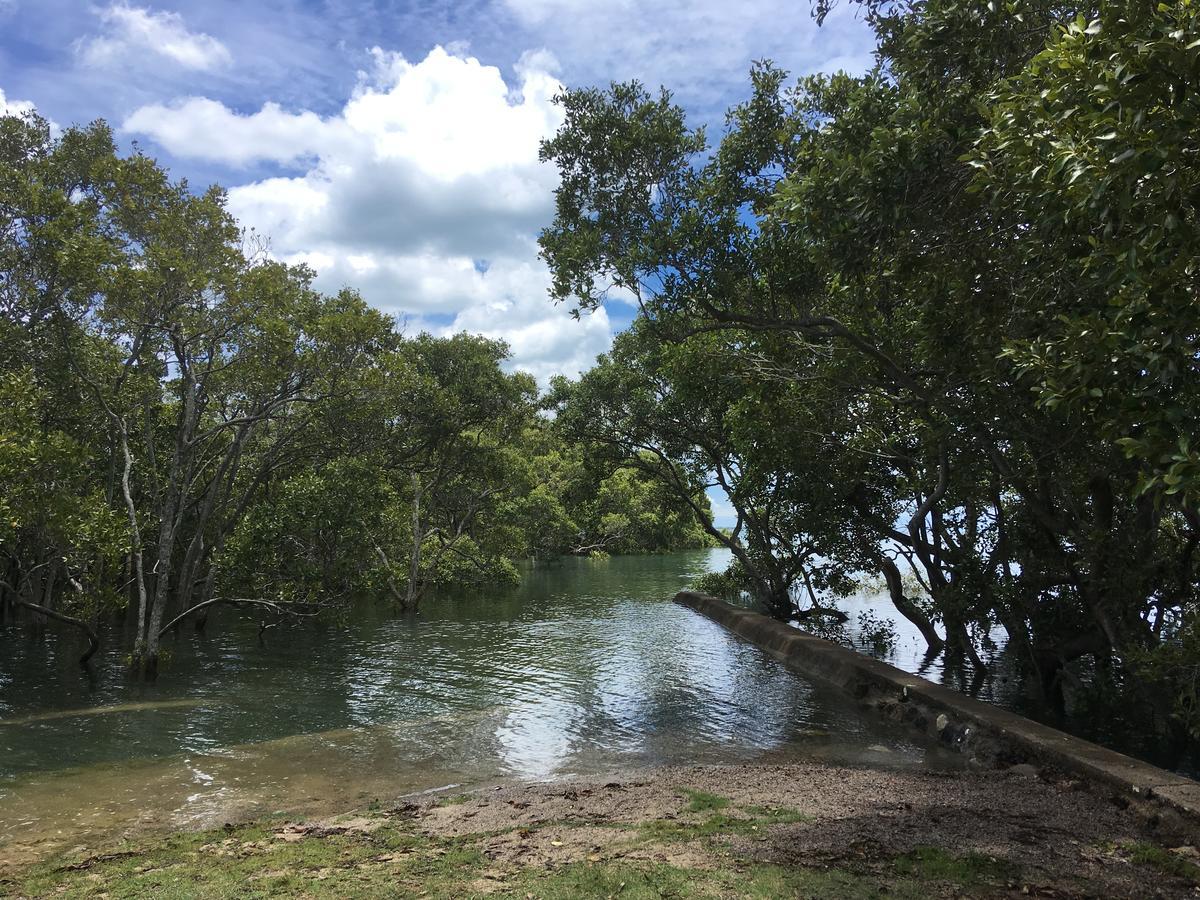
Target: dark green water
586,667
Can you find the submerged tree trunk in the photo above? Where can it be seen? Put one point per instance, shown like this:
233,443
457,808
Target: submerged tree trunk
147,660
135,532
413,595
778,599
397,594
89,632
906,607
958,641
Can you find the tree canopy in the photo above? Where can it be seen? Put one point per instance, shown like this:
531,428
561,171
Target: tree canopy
936,323
940,319
188,422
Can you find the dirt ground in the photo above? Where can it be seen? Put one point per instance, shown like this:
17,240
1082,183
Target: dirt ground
798,830
1061,838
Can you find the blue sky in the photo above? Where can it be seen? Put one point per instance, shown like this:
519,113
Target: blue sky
393,145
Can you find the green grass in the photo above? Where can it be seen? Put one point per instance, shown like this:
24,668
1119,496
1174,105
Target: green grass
268,859
746,820
774,815
644,881
702,801
252,862
1163,860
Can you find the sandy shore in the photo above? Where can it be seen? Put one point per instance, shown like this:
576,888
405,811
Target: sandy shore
726,831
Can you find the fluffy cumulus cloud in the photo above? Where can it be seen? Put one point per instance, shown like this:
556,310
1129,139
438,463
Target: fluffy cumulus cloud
130,33
13,107
424,192
199,128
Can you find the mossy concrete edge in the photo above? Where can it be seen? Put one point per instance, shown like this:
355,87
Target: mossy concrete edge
988,733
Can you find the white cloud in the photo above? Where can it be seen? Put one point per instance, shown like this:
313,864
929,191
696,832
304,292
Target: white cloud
424,192
700,49
14,107
132,31
21,107
200,128
545,340
723,512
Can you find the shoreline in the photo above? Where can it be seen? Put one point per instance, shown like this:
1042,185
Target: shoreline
795,829
986,734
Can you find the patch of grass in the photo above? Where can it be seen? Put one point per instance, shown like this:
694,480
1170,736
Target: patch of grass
628,881
267,859
643,881
835,884
453,800
750,819
775,815
702,801
677,830
1164,861
935,864
252,862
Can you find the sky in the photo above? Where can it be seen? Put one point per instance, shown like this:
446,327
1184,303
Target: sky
393,146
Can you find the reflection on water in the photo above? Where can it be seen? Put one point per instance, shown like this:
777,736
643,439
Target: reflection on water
586,667
1002,685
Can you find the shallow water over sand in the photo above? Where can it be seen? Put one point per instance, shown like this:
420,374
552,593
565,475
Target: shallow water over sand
586,667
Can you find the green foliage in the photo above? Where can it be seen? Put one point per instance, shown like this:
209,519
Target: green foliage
253,861
1091,149
302,543
1174,660
52,502
729,583
585,502
686,416
189,422
939,319
936,864
877,635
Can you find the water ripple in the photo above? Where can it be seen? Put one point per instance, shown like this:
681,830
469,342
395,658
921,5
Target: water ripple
587,666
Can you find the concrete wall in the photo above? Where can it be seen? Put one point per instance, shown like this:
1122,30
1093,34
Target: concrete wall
991,736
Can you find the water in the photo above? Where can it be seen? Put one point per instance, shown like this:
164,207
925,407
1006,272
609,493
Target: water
1001,684
1093,711
585,668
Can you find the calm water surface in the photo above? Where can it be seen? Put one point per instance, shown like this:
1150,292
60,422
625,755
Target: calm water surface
586,667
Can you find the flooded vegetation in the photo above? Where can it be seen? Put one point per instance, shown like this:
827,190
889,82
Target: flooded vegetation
585,667
368,478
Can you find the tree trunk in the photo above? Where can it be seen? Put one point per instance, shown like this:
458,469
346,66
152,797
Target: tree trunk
93,641
135,533
778,600
162,585
958,640
48,587
412,595
217,495
171,507
906,607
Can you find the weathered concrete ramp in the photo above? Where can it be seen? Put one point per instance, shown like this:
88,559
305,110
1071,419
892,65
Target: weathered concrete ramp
990,734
